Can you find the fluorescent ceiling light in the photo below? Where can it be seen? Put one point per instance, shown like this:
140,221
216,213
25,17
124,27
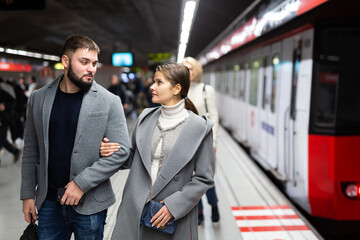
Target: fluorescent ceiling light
187,20
30,54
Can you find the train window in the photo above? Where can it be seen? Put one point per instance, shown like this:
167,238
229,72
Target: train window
244,78
295,77
235,80
223,81
336,96
255,66
240,82
206,78
326,94
218,81
227,82
265,63
275,73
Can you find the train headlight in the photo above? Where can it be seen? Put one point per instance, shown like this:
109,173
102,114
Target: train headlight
351,190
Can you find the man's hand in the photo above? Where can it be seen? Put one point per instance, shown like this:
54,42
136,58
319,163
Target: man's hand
72,194
29,209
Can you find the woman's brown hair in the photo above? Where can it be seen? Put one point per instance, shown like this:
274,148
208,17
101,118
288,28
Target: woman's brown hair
177,73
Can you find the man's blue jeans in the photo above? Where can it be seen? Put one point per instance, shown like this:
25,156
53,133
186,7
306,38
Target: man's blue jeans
58,222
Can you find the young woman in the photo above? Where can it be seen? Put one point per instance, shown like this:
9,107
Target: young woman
203,97
172,160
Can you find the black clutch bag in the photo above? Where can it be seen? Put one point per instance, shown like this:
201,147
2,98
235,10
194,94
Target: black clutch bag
150,211
31,232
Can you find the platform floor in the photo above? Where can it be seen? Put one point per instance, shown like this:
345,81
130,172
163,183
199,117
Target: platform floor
251,207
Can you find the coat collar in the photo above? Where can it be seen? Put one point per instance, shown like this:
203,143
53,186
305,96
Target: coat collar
184,149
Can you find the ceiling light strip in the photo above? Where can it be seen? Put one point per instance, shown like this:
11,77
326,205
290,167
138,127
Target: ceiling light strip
187,21
30,54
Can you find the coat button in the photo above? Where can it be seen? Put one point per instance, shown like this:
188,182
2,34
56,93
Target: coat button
176,178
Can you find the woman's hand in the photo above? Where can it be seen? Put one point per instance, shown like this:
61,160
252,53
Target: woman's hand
161,217
107,149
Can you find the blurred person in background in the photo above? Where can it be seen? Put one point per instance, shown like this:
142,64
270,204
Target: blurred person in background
20,108
31,81
4,124
117,89
203,97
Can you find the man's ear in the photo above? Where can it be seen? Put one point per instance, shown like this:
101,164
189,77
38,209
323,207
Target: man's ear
65,61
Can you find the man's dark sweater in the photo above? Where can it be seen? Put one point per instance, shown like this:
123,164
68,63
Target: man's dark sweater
62,129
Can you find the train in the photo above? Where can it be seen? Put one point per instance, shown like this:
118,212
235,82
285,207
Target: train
292,97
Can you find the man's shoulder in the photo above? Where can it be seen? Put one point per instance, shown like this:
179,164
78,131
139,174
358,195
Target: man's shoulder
103,91
41,91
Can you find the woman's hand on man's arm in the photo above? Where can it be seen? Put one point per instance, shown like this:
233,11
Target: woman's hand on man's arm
107,148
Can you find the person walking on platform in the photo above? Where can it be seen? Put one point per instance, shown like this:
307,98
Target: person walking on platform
172,163
203,97
4,124
117,89
63,176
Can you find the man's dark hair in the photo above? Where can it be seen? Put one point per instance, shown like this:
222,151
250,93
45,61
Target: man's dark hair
78,41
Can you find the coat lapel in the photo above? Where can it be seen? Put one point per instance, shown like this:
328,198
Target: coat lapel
144,135
46,112
86,106
182,152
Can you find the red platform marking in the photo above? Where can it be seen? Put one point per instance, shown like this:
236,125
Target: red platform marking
261,207
266,217
273,228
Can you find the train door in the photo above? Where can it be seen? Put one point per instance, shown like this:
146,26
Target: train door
253,111
282,105
242,124
237,94
299,117
297,124
264,105
290,114
246,97
272,120
226,98
219,94
233,96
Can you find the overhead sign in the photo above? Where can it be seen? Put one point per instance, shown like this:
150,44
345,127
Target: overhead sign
159,57
15,67
45,72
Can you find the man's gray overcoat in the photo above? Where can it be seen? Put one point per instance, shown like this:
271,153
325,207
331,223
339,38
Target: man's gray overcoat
101,115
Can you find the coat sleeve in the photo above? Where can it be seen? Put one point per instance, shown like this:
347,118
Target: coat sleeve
182,202
30,156
128,164
105,167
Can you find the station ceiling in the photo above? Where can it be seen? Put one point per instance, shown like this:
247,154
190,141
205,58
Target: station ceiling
139,26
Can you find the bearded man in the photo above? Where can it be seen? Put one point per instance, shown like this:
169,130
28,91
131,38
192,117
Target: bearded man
65,183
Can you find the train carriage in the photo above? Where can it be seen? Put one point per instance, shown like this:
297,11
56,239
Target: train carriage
291,96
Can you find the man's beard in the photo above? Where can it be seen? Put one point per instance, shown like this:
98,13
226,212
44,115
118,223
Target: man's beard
85,86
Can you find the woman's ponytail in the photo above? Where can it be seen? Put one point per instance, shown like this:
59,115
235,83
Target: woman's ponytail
190,106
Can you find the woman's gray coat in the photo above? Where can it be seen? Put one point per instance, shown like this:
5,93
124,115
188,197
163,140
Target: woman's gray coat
186,175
